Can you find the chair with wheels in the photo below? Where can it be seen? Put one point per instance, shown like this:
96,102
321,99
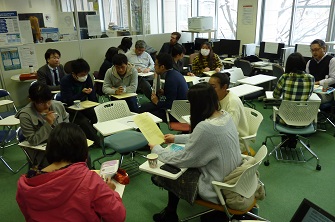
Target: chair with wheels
179,108
123,143
254,118
246,186
292,120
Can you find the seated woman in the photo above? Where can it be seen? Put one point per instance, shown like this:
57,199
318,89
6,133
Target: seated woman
206,61
81,194
39,117
294,84
178,52
211,152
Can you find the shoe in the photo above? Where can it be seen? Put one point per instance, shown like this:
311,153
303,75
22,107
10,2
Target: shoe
165,216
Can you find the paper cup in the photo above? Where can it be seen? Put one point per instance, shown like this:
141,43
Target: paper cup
76,103
152,159
124,88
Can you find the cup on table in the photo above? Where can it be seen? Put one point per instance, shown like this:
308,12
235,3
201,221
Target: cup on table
124,88
76,103
152,159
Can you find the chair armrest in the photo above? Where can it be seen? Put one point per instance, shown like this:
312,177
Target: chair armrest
249,137
275,113
167,112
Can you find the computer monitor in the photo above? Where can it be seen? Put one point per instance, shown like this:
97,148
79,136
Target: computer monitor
230,47
309,211
198,42
304,50
217,49
82,18
270,50
39,16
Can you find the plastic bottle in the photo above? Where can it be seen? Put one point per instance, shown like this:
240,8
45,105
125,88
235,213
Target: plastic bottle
325,84
31,69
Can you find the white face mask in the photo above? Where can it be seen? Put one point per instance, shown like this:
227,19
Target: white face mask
205,52
82,79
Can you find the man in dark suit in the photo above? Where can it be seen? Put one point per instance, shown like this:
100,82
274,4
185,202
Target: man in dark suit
167,46
52,72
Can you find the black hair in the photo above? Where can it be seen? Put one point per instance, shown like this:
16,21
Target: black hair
295,63
66,142
50,52
79,65
210,57
165,59
39,92
178,35
126,44
320,42
223,77
177,49
111,52
120,59
203,101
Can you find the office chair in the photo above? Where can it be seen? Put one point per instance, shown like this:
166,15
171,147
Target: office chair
246,185
235,74
125,142
248,71
297,118
255,119
179,108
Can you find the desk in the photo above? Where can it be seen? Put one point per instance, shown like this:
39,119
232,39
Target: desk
83,105
187,119
157,171
16,78
245,89
257,79
318,90
313,97
99,80
117,125
141,74
209,73
209,31
124,95
193,79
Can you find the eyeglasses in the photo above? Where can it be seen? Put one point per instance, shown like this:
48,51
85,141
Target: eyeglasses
315,50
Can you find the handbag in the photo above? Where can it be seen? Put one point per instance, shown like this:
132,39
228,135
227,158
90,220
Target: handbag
121,176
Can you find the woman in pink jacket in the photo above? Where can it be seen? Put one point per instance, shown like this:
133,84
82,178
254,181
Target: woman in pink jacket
67,190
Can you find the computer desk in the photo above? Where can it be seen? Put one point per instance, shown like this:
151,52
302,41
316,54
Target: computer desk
257,79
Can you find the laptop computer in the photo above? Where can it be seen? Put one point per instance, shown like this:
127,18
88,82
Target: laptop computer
309,212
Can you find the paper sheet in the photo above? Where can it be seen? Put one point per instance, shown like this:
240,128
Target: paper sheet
88,104
124,95
149,129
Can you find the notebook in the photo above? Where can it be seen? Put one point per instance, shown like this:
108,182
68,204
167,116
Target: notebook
309,212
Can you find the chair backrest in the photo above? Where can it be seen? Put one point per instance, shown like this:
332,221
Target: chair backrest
7,100
112,110
248,181
19,135
245,65
180,108
254,119
235,74
299,113
277,71
192,56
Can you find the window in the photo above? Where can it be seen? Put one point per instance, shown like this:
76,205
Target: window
169,13
184,11
227,19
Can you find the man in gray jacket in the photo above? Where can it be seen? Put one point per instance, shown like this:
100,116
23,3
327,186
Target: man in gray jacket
121,78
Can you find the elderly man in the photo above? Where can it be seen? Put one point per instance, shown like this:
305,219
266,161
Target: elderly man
167,46
52,72
143,63
322,67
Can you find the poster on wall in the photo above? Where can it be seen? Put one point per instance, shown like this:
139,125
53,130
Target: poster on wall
247,16
27,55
9,28
10,58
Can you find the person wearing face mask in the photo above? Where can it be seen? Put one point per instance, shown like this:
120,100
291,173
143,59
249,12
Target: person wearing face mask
206,61
79,86
39,117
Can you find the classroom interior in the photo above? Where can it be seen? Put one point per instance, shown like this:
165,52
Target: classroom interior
286,183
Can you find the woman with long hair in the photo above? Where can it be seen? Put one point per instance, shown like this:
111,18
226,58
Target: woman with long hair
211,152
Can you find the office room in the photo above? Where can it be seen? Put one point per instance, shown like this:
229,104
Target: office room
283,26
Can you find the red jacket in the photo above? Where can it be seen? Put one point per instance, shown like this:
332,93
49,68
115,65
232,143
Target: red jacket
71,194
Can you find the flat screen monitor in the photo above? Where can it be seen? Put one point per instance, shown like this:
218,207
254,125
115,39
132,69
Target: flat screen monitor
309,211
198,42
270,50
82,18
217,49
304,50
39,16
230,47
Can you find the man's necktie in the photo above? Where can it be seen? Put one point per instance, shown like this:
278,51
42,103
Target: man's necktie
56,77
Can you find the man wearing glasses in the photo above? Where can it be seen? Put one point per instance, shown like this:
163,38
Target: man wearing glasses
322,67
167,46
52,72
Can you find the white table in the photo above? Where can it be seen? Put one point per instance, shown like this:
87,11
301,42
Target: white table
318,90
16,78
257,79
157,171
83,105
313,97
117,125
141,74
209,31
245,89
99,80
123,95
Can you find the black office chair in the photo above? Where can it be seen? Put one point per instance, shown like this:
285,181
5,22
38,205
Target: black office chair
248,70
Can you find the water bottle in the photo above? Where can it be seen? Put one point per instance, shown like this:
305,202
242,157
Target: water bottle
325,85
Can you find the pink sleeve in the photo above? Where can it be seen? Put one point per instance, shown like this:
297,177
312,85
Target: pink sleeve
107,203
